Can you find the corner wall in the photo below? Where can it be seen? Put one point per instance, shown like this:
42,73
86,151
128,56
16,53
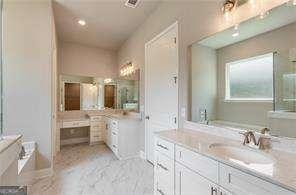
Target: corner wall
27,73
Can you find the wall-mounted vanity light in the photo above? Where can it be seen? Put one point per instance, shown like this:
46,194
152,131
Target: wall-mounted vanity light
127,69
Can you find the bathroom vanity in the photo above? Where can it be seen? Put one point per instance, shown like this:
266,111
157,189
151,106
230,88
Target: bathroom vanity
197,162
119,132
10,148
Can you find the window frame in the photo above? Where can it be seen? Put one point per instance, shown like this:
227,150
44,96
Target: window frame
227,97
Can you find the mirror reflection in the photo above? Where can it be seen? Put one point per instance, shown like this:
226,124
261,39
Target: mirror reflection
244,77
90,93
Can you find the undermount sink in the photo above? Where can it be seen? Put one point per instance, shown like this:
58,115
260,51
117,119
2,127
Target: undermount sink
241,154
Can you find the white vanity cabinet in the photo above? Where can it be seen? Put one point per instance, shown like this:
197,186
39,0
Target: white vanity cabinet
122,136
180,171
97,131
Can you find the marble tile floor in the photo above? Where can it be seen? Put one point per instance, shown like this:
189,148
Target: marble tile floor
94,170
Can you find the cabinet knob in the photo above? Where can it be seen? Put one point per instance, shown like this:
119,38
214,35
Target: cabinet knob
147,117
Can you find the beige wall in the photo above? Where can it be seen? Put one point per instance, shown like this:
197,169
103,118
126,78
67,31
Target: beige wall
255,113
27,49
197,19
76,59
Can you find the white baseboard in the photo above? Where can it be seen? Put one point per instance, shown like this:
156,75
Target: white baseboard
74,141
142,155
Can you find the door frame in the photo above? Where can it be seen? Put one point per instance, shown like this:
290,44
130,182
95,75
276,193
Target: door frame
175,25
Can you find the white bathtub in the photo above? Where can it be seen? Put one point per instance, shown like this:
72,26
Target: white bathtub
26,166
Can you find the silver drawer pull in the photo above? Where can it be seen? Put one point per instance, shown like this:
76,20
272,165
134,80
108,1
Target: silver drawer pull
114,146
163,147
213,191
163,167
114,133
160,191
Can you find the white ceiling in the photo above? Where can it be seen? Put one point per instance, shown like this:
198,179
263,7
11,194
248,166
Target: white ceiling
108,22
278,17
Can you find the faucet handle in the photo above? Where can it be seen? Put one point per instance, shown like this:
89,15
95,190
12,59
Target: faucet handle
265,130
264,142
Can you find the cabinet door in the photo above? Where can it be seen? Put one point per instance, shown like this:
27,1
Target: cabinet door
189,182
242,183
108,136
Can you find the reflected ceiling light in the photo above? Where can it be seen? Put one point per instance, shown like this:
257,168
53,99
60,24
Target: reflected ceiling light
253,3
235,34
108,80
263,14
294,2
82,22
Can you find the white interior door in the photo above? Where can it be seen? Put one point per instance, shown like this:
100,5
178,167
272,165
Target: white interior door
161,86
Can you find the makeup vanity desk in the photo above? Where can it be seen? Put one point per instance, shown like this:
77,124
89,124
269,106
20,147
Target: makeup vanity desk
119,132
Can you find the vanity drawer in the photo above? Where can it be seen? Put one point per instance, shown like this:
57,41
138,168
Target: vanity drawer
95,138
238,182
69,124
114,149
114,139
100,124
164,168
95,133
113,124
163,174
95,129
203,165
164,147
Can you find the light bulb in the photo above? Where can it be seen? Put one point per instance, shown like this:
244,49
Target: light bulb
81,22
252,2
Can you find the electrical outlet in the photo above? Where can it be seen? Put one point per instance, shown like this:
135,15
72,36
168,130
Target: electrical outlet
183,112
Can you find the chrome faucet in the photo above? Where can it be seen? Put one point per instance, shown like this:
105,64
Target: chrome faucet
249,137
262,143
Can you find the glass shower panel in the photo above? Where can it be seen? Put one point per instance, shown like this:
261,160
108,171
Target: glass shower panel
285,83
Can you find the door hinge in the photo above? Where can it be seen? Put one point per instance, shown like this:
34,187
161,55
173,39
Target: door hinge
175,79
175,40
175,120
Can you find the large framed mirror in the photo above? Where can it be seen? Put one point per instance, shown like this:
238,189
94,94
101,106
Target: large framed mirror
91,93
245,77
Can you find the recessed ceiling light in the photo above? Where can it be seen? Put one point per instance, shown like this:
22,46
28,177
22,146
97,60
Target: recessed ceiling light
235,34
81,22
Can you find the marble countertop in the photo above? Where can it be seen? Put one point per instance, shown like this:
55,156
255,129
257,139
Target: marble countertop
282,172
8,141
123,117
87,117
70,119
